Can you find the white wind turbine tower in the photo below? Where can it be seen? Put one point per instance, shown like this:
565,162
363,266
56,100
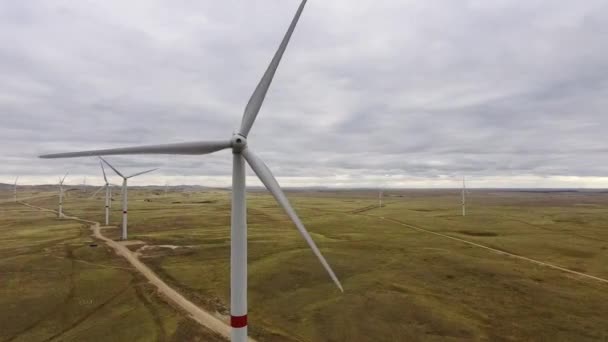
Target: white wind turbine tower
464,197
61,180
241,154
15,189
124,195
108,190
381,192
106,186
110,194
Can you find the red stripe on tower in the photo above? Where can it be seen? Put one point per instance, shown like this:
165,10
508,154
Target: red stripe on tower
238,321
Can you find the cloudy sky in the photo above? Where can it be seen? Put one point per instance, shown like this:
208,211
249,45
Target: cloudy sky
370,92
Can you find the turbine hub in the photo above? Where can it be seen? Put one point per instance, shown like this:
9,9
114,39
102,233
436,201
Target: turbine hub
239,142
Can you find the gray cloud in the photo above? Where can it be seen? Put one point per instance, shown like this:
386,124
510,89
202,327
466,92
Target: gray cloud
368,91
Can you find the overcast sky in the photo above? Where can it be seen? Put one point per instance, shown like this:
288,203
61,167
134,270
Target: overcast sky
369,93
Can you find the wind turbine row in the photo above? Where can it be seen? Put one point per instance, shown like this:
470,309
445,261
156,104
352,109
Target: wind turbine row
108,195
242,153
125,204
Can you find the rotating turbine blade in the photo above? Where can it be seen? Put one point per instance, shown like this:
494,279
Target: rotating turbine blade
98,190
257,98
112,167
63,179
104,172
16,179
199,147
141,173
264,174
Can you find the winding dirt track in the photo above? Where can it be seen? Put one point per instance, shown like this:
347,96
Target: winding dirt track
203,317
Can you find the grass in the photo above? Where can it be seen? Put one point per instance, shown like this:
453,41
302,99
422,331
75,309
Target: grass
55,287
400,284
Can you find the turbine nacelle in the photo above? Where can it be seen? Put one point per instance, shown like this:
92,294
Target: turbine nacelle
238,142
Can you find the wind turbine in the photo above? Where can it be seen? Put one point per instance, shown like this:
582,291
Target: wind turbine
108,190
106,186
241,154
61,180
15,189
381,192
464,197
124,194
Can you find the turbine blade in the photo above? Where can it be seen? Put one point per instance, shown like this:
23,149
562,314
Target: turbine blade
199,147
98,190
104,172
16,179
63,179
112,167
263,172
141,173
257,98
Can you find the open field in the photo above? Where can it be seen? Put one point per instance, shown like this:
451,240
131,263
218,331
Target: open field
400,283
55,287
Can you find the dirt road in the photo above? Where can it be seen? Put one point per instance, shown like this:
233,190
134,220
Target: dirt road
203,317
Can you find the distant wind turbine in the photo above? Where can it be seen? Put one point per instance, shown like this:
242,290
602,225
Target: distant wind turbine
241,154
15,188
109,190
124,194
106,186
464,198
61,180
108,194
380,194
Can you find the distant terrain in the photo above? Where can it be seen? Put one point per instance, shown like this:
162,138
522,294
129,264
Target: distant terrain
401,281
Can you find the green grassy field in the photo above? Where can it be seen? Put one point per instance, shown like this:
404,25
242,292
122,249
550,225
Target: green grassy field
56,287
400,284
